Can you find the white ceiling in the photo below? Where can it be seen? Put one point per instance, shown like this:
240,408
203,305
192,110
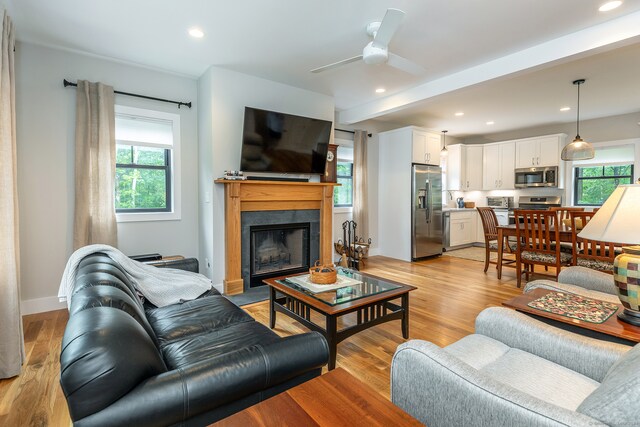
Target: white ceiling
282,40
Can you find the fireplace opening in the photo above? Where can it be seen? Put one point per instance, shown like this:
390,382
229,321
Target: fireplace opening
278,249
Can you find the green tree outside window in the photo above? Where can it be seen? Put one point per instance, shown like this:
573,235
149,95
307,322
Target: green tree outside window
343,195
594,184
142,179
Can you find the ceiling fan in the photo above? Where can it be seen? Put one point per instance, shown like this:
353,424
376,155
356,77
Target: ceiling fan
377,50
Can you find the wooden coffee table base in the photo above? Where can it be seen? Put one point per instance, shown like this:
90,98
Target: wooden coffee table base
334,399
379,309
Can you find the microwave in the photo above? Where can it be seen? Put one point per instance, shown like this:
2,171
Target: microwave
537,177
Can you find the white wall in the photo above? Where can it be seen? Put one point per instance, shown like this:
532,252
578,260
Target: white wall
223,94
45,139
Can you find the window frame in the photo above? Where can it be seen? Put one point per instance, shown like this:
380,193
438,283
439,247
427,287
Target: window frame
350,177
172,165
168,171
577,179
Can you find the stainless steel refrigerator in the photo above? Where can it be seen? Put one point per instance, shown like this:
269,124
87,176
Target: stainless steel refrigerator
426,212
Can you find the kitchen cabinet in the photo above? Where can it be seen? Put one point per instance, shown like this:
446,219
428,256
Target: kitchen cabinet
462,228
479,229
464,168
539,151
498,164
425,147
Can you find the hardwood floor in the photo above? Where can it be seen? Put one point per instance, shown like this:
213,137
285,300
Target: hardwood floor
451,292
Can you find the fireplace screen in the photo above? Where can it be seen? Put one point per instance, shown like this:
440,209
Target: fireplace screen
277,250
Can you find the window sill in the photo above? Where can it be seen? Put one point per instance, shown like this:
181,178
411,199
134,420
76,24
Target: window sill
147,216
342,210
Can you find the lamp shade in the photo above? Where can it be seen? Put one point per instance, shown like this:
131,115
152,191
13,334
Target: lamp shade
577,150
618,219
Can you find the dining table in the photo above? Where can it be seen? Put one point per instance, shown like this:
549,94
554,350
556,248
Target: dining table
564,235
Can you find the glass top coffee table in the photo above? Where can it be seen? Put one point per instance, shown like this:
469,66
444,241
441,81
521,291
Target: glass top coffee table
368,296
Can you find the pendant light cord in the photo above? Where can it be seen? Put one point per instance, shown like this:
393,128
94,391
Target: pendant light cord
578,118
578,83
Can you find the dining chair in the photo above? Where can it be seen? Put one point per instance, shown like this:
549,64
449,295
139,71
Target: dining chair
564,211
491,244
537,233
592,254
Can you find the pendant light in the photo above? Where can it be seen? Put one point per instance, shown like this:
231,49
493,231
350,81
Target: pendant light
578,149
444,152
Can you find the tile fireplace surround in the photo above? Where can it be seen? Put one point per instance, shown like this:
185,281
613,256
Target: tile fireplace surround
255,196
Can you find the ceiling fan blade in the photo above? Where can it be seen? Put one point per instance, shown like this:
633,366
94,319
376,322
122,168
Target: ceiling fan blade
388,27
405,65
336,64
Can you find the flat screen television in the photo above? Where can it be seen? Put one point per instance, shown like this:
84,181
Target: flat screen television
283,143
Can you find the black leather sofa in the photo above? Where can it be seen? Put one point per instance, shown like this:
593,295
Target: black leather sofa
125,363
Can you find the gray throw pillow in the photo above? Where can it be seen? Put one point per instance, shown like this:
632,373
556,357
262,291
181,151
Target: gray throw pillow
615,402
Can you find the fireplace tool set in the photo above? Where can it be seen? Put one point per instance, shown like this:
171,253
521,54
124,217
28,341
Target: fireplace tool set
352,248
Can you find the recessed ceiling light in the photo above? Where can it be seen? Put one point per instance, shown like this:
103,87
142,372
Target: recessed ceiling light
381,90
610,5
459,114
196,33
565,109
491,123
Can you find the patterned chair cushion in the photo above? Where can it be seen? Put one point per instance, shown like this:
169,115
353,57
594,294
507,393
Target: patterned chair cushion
548,258
493,245
595,264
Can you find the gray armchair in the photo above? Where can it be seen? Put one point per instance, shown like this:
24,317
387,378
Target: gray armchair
516,370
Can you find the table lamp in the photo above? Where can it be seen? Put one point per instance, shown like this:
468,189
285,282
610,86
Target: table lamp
618,221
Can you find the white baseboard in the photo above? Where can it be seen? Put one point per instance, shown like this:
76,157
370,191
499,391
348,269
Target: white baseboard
40,305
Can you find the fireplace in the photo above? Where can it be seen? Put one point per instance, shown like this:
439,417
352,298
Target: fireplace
248,202
276,250
277,243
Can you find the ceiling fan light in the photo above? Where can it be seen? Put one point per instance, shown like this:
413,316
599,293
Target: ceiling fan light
374,55
578,149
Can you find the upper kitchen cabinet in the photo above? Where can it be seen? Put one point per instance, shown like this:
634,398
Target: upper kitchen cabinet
464,168
539,151
426,146
498,164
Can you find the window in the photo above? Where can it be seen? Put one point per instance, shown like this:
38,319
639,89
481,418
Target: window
594,184
147,165
343,195
143,179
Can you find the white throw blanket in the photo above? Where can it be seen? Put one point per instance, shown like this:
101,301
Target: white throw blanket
161,286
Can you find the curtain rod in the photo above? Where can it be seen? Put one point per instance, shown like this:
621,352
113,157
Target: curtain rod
350,131
66,83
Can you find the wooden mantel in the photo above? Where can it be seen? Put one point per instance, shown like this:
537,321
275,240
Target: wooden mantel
246,196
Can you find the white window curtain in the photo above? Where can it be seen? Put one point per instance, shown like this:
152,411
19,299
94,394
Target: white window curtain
95,216
360,199
11,337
